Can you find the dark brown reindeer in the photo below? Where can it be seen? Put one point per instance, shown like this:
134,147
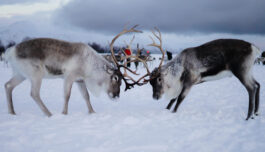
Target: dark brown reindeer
211,61
41,58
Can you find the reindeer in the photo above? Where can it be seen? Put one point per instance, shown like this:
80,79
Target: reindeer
41,58
211,61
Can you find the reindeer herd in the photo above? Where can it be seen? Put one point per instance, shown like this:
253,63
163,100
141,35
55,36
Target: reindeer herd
78,63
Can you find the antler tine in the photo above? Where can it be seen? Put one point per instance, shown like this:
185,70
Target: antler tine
129,45
159,37
112,51
134,30
131,40
141,60
135,82
143,78
131,85
134,72
117,36
154,43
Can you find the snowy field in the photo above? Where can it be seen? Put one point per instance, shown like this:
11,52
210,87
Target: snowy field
210,119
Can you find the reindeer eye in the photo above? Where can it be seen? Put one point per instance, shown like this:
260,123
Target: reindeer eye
159,79
115,78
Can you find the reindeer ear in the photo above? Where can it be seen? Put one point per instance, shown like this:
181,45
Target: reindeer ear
107,69
166,72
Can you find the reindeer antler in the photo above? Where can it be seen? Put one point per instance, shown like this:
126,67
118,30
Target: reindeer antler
136,58
159,37
159,46
125,76
117,36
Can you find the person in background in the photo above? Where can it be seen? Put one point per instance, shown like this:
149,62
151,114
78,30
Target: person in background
128,52
138,54
119,57
147,53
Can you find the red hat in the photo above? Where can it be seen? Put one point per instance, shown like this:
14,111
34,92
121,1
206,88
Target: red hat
128,52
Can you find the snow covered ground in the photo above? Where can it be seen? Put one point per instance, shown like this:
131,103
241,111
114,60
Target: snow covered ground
211,118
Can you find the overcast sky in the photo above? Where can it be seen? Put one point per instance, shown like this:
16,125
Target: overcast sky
230,16
181,21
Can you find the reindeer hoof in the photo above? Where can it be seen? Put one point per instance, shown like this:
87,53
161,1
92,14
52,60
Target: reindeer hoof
48,114
91,112
64,112
12,113
250,117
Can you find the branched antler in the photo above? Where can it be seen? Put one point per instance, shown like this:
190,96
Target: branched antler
159,46
125,75
135,58
116,37
159,37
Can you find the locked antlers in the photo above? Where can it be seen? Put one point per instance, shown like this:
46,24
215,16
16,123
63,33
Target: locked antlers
128,80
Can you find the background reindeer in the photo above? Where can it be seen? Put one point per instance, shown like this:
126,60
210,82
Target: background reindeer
211,61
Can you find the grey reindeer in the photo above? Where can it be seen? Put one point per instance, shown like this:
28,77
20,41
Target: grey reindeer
41,58
211,61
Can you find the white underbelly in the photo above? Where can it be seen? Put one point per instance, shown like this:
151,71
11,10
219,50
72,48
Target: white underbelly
50,76
218,76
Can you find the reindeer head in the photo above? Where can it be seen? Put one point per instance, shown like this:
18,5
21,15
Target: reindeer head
167,80
157,81
113,89
156,78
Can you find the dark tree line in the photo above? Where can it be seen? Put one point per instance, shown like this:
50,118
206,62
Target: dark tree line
10,44
94,45
99,48
263,55
103,49
3,48
106,49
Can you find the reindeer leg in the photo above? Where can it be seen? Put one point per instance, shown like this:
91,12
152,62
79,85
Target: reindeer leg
85,94
181,97
251,87
68,83
35,94
257,98
171,103
251,92
9,86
